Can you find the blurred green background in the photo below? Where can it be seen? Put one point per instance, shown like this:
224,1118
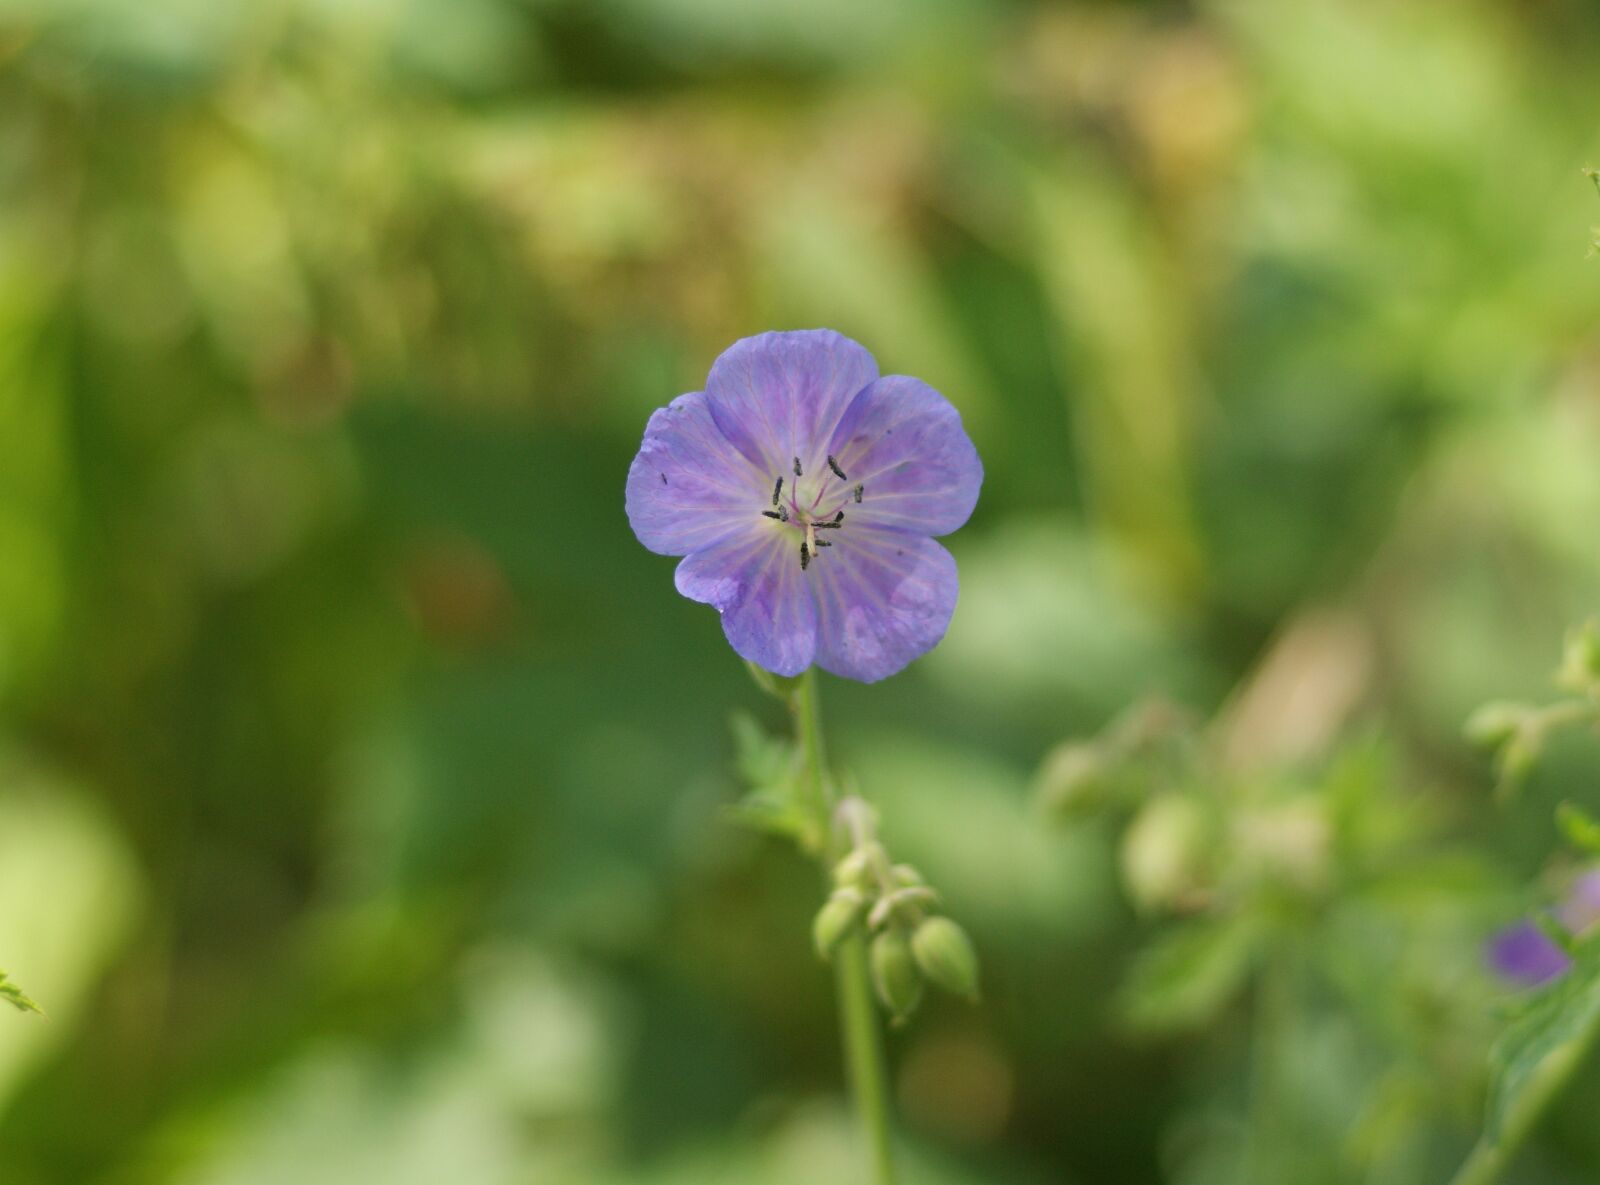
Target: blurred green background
362,814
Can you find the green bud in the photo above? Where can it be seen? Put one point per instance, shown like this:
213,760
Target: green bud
902,900
1166,852
944,953
1074,780
906,876
894,974
837,917
1495,723
855,870
1580,660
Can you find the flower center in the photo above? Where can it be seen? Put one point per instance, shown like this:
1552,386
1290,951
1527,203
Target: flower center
805,517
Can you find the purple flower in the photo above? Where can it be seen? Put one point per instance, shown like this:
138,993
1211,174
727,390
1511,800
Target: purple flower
1525,954
802,491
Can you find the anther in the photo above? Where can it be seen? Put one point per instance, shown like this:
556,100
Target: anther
776,490
837,472
839,518
805,556
823,543
833,526
797,472
859,491
772,514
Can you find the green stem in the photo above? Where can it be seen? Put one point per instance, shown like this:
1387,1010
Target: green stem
863,1051
1489,1159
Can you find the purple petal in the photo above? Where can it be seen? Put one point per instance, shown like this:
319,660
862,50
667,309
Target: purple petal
689,487
1522,953
777,396
753,578
883,599
903,442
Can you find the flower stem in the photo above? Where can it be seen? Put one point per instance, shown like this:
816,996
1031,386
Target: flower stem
863,1051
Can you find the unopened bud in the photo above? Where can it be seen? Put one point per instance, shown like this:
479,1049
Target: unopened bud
900,899
855,870
894,974
837,917
944,953
1074,780
1164,853
906,876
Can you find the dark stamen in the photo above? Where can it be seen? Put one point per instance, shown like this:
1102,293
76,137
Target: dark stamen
859,491
805,556
776,490
839,518
837,472
772,514
833,526
797,472
823,543
663,479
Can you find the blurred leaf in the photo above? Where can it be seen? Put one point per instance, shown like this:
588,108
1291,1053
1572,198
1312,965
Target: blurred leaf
1579,826
1188,974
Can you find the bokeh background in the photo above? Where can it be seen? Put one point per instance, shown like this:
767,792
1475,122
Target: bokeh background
363,782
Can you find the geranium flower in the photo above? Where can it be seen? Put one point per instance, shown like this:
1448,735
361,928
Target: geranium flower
1525,954
803,492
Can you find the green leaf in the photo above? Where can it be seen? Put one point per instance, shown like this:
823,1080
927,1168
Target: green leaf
1541,1046
1188,974
12,994
770,766
1581,828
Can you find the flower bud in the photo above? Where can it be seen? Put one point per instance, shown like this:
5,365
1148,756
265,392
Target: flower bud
1165,862
900,899
837,917
894,974
855,870
906,876
1073,781
944,953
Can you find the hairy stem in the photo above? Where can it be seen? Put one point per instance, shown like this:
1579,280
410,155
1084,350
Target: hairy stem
863,1050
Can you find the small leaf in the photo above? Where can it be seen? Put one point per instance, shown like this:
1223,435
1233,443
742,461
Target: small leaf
12,994
770,767
1188,974
1581,828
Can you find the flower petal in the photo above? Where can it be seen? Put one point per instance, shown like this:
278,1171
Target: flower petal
904,443
753,578
778,396
883,598
688,487
1523,954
